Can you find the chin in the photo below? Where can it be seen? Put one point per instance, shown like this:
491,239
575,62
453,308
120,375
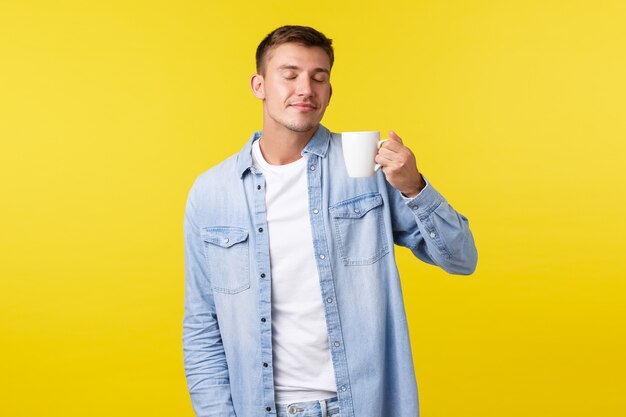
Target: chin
301,127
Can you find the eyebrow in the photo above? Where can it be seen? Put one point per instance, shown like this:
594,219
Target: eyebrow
295,67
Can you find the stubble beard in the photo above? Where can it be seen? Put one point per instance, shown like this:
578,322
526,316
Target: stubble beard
292,122
300,127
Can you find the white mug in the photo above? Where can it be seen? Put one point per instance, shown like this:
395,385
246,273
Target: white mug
359,150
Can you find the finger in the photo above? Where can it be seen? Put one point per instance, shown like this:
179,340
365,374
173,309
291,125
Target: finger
379,159
390,165
392,145
388,152
393,136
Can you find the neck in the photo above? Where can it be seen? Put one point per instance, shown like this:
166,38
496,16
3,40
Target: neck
282,146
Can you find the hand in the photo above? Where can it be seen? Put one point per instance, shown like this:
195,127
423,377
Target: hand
398,163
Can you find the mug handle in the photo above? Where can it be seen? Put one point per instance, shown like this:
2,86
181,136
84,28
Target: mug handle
379,145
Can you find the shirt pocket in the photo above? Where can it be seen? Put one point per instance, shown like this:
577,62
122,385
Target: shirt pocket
360,229
226,251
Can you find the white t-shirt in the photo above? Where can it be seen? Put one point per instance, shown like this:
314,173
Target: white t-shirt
303,368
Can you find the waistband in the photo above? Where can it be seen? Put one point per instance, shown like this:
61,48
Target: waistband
322,408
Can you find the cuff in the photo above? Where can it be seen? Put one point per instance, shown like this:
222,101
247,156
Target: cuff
426,201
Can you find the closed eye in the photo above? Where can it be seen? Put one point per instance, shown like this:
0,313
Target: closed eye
289,75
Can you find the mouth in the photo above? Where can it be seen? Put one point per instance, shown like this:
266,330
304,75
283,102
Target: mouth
304,106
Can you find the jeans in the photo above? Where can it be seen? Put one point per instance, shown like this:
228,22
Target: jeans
321,408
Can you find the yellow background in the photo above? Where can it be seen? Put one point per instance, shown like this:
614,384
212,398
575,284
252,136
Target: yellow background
515,110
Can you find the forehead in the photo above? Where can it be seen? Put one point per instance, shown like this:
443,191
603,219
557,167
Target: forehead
295,54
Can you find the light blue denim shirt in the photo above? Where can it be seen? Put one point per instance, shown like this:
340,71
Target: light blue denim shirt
227,339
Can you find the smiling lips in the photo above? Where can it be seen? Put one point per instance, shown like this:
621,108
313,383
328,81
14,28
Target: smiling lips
304,106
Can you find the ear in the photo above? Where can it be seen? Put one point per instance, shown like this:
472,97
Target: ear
257,83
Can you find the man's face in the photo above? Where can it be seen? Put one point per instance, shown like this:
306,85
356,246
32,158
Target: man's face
295,88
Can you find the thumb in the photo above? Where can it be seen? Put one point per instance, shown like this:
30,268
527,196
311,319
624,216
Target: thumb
393,136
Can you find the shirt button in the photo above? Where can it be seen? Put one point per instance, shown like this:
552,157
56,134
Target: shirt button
226,240
268,409
260,229
258,187
315,211
312,167
322,257
343,388
329,300
263,275
263,320
265,365
337,344
433,235
357,210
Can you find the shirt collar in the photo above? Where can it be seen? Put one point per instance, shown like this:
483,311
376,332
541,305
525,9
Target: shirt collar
318,145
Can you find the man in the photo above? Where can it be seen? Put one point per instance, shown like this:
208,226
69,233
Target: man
293,304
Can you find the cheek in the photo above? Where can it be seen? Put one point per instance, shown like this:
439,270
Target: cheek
277,92
326,93
325,90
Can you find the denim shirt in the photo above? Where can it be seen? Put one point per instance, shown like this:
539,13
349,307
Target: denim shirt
227,339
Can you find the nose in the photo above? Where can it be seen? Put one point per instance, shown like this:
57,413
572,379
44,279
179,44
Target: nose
303,86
